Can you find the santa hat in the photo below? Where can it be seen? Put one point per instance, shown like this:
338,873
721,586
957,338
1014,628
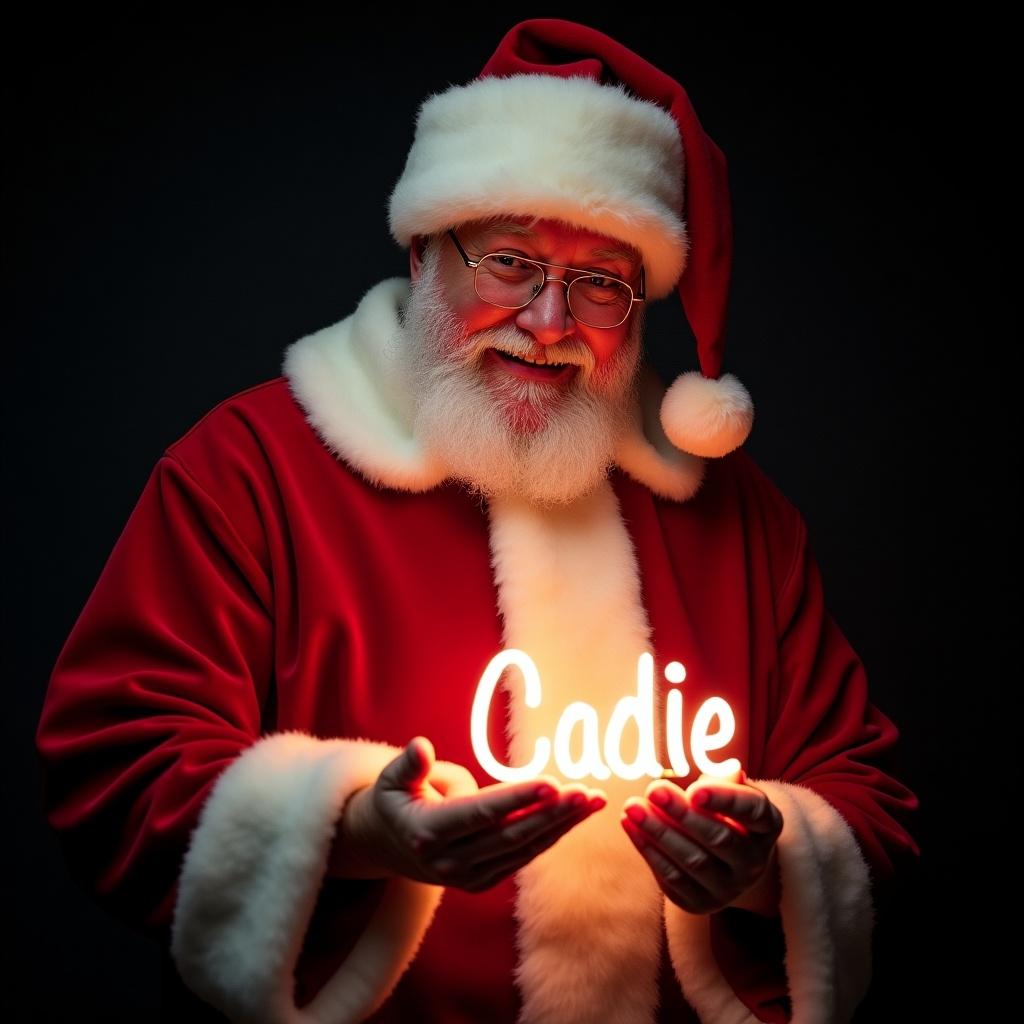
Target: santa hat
567,124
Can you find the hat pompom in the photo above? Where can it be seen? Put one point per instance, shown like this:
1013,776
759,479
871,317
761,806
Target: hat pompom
707,417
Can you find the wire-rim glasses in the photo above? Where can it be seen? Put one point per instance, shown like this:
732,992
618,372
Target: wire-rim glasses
510,281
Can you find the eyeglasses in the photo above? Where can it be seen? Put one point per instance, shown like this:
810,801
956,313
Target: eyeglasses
512,282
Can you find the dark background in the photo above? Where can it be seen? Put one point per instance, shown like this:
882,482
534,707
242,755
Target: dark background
184,198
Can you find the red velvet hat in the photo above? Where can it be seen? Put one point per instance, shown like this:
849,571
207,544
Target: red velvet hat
566,123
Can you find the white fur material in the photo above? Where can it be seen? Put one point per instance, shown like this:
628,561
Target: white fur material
350,380
589,911
252,874
826,912
562,148
707,417
647,454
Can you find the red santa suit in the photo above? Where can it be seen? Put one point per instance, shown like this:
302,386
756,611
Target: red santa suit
300,590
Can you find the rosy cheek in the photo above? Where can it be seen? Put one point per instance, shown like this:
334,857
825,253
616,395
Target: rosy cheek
471,308
603,349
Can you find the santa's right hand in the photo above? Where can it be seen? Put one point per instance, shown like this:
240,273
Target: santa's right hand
428,820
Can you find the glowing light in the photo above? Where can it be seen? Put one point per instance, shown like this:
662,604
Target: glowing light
481,706
590,763
701,740
674,734
641,709
637,707
675,671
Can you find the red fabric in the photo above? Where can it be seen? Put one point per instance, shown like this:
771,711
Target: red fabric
261,585
552,46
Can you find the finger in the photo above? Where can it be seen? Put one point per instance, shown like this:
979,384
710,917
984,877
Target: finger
577,795
731,851
668,798
682,888
490,872
730,871
702,799
488,807
743,805
555,816
409,770
714,833
452,780
688,854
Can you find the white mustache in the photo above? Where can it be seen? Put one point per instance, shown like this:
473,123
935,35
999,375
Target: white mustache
569,351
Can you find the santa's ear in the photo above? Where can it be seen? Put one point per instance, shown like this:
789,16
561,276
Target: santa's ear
417,250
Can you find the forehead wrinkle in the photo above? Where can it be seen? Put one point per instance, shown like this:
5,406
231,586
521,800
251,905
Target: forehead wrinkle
512,227
615,254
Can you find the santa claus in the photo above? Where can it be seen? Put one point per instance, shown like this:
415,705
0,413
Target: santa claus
257,739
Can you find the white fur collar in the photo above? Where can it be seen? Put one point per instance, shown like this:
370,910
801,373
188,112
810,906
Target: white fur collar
351,381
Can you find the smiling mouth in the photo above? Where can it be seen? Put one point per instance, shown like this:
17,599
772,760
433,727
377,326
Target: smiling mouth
523,361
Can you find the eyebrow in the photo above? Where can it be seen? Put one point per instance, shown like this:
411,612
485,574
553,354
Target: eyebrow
511,227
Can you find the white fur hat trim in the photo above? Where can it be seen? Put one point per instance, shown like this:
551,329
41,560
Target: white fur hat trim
543,146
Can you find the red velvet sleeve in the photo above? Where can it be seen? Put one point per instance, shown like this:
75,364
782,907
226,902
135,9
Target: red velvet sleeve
828,736
156,690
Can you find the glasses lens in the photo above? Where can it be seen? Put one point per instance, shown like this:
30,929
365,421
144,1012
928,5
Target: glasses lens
511,282
599,301
508,281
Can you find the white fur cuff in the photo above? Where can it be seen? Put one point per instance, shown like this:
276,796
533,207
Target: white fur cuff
827,920
252,875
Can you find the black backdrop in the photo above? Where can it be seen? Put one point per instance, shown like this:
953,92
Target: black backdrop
186,197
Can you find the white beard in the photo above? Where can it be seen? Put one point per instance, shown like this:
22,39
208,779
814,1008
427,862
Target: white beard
504,436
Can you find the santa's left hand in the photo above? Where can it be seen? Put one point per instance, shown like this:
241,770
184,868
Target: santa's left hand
708,855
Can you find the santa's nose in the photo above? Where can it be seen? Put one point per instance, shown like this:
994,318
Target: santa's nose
548,317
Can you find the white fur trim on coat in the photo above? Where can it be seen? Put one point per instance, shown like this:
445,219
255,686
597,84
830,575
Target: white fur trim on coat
826,912
589,911
352,383
539,145
254,868
647,454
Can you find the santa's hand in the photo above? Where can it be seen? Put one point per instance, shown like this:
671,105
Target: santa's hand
427,820
710,846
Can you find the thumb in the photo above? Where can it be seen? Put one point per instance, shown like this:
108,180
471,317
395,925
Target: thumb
409,770
739,776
